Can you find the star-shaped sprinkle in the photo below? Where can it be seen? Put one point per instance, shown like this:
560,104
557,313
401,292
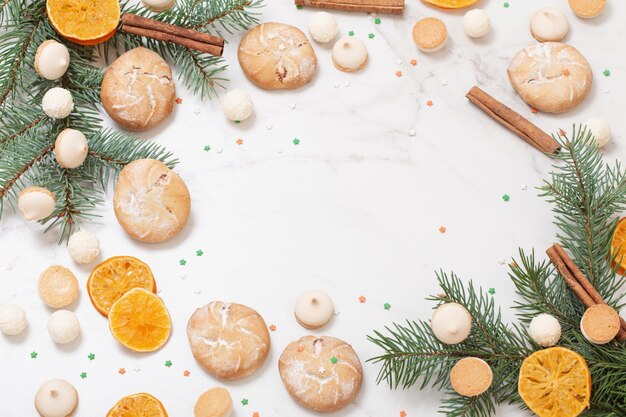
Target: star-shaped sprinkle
299,7
168,363
413,62
566,72
607,72
273,327
333,359
377,21
533,110
121,371
362,299
239,141
387,306
33,355
292,106
83,375
244,401
398,74
182,262
429,103
91,356
492,291
207,148
506,5
412,132
255,414
506,198
442,229
371,35
402,413
296,141
351,33
237,122
199,252
186,373
179,100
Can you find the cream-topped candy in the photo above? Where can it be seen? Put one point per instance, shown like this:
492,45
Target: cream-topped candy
451,323
63,326
56,398
12,319
476,23
36,203
322,27
158,5
237,105
52,60
549,25
314,308
545,330
57,103
83,247
349,54
71,148
600,130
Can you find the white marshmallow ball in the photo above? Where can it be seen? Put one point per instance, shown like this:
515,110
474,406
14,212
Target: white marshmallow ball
83,247
451,323
322,27
545,330
70,148
52,60
36,203
57,103
237,105
600,130
12,319
476,23
63,326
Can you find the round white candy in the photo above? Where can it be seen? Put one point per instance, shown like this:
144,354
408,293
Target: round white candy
56,398
322,27
314,308
158,5
52,60
349,54
476,23
600,130
12,319
36,203
451,323
70,148
63,326
83,247
549,25
57,103
237,105
545,330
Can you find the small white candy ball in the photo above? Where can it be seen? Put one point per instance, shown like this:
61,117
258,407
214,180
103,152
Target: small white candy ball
237,105
63,326
83,247
57,103
600,130
322,27
36,203
52,60
70,148
545,330
476,23
451,323
12,319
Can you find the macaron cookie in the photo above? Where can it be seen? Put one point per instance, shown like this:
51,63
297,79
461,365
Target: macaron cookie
471,377
600,324
587,9
56,398
349,54
314,309
451,323
215,402
430,34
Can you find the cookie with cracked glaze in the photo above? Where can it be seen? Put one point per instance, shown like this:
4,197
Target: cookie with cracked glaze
323,374
229,340
138,90
151,202
275,56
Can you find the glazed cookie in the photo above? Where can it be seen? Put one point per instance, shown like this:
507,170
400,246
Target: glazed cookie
323,374
151,202
430,34
587,8
471,377
216,402
349,54
230,341
276,56
138,91
551,77
58,287
56,398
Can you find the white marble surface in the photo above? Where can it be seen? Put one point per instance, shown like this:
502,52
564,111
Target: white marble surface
353,209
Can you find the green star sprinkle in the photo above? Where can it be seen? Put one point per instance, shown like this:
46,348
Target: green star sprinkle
387,306
371,35
91,356
168,363
506,197
83,375
296,141
506,5
199,252
182,262
207,148
607,72
377,21
299,7
492,291
351,33
333,359
244,401
33,355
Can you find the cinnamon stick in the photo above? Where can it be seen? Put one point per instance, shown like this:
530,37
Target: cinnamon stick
513,121
152,24
576,288
367,6
167,37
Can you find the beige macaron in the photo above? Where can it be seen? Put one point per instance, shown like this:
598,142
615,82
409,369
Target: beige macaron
215,402
600,324
471,377
430,34
587,9
58,287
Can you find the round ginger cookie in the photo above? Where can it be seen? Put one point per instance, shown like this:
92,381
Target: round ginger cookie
471,377
138,90
229,340
151,202
552,77
323,374
58,287
587,9
215,402
275,56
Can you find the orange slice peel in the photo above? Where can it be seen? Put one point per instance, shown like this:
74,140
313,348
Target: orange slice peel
85,22
138,405
451,4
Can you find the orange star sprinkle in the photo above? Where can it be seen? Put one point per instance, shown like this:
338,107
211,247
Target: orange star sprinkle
179,100
300,348
398,74
273,328
429,103
121,371
255,414
442,229
402,413
362,299
533,110
413,62
239,141
566,72
186,373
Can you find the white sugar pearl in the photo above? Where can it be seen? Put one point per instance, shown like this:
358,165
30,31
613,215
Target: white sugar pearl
71,148
52,60
237,105
57,103
36,203
476,23
322,27
12,319
600,130
545,330
83,247
63,326
451,323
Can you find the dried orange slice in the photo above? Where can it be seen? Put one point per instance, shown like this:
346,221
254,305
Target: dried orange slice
140,321
555,382
451,4
618,246
85,22
114,278
138,405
